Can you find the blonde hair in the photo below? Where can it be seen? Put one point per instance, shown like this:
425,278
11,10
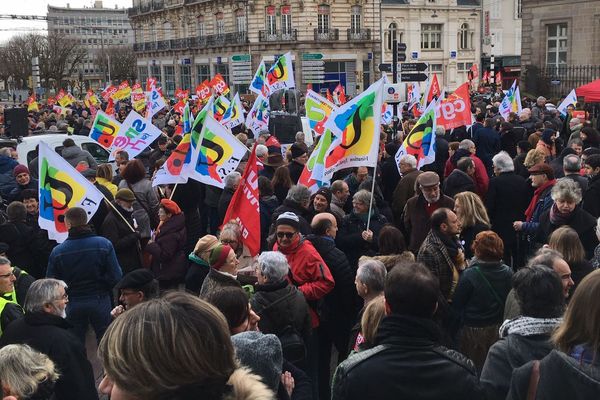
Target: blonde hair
105,171
581,323
204,246
163,345
566,240
472,210
371,318
23,369
533,157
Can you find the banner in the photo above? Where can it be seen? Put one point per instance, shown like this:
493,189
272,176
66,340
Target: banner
387,114
219,85
570,100
318,109
220,106
32,104
339,95
434,90
420,142
259,82
135,135
64,99
455,110
123,91
244,206
62,187
179,106
257,119
314,169
176,167
182,94
155,103
138,99
201,116
234,115
355,127
511,102
104,129
108,93
203,91
150,83
91,100
281,74
217,154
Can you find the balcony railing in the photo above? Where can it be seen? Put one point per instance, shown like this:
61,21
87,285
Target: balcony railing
358,35
329,35
191,1
163,45
158,5
278,36
215,40
132,11
179,43
236,38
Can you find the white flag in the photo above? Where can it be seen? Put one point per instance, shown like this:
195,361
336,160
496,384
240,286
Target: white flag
571,99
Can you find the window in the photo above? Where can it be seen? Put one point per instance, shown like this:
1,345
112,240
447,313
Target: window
435,67
200,26
323,19
463,37
518,9
286,20
143,75
202,73
155,73
222,69
185,75
167,30
240,20
355,17
556,49
220,24
271,20
169,79
431,36
392,35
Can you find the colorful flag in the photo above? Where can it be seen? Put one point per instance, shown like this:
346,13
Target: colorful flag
486,76
110,107
312,174
219,85
51,101
434,89
175,168
339,95
62,187
258,84
32,104
234,115
511,102
182,94
244,206
281,74
179,106
220,106
328,96
135,135
200,117
155,102
257,119
64,99
150,83
318,109
455,110
123,91
420,142
217,154
91,100
570,100
138,98
104,129
108,93
203,91
186,120
387,114
355,128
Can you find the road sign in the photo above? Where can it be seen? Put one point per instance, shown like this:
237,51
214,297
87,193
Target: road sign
240,58
313,63
394,93
385,67
401,46
412,77
414,67
312,56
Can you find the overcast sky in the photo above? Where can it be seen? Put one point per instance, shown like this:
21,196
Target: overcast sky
9,28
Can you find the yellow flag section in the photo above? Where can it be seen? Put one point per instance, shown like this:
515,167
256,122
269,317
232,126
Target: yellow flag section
355,128
62,187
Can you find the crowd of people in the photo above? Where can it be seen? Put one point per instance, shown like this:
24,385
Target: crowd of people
474,277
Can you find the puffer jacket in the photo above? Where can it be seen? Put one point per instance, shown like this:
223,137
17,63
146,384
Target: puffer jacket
74,155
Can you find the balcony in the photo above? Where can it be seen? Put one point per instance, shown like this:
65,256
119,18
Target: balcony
358,35
179,43
236,38
133,11
158,5
150,46
278,36
327,36
163,45
191,1
215,40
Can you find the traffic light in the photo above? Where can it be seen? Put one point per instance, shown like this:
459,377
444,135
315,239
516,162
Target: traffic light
401,52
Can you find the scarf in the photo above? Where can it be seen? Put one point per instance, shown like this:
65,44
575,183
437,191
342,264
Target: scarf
557,218
529,326
536,197
451,243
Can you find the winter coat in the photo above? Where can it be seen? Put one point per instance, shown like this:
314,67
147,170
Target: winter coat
108,184
458,182
124,240
216,280
487,142
543,204
7,164
349,237
591,198
147,196
197,271
416,219
289,308
583,183
404,191
50,334
86,262
406,361
224,201
169,262
247,386
389,177
434,255
467,236
15,193
480,177
561,377
295,169
74,155
291,206
25,246
189,197
267,206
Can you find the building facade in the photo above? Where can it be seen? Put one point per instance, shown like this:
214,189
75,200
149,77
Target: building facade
184,42
97,29
442,33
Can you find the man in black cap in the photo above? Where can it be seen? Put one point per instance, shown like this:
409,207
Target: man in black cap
299,158
135,287
160,151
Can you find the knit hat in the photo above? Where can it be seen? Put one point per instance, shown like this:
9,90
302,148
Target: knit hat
135,279
218,256
288,218
125,195
170,206
262,354
297,151
325,192
204,245
19,169
547,136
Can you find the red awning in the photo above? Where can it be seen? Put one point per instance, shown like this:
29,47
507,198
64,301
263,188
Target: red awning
591,91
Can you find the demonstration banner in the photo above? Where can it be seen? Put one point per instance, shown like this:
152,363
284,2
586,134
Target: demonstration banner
318,109
135,135
155,102
259,82
220,106
570,100
455,110
219,85
104,129
203,91
175,169
420,142
109,92
281,74
123,92
234,115
257,119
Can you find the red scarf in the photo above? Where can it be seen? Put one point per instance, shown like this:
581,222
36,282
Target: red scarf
536,197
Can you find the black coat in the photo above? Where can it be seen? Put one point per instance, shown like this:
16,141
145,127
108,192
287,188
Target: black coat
390,176
189,196
441,156
295,169
49,334
410,366
349,237
169,262
591,198
487,141
124,240
267,206
458,182
292,206
24,245
224,201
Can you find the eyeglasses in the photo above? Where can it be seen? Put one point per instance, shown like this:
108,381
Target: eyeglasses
228,241
12,272
288,235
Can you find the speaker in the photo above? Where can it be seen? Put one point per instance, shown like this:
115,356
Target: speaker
15,122
284,126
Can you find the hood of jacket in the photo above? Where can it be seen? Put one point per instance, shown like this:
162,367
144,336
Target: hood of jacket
71,152
247,386
407,331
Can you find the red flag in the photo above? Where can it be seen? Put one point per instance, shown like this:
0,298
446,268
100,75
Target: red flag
486,77
474,71
110,107
244,206
329,96
203,91
150,83
108,92
182,94
434,89
498,78
219,84
455,110
340,93
179,106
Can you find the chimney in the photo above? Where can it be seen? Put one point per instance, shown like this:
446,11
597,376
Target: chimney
98,4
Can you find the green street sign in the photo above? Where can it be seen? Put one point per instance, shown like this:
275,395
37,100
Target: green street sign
240,58
312,56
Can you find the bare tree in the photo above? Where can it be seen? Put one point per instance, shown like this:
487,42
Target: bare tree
122,62
60,58
17,56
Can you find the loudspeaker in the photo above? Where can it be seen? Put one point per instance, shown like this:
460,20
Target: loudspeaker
15,122
284,126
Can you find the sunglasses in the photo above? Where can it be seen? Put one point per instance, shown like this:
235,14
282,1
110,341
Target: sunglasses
288,235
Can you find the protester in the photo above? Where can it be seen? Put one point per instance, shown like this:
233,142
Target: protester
104,176
299,158
340,192
73,154
473,219
26,373
231,181
591,197
461,179
231,234
25,248
392,248
282,183
406,186
466,148
223,270
135,287
296,202
24,181
10,310
567,242
199,263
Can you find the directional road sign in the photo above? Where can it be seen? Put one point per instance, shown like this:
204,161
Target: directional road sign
414,67
412,77
385,67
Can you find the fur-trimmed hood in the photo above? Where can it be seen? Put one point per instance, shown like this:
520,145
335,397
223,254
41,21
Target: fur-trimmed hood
247,386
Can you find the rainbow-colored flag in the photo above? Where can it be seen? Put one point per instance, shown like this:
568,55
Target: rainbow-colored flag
32,104
187,119
234,115
220,106
511,102
312,174
259,82
257,119
91,100
281,74
318,109
355,128
420,142
62,187
175,169
104,129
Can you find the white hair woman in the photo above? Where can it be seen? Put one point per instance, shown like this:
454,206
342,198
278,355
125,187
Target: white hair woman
26,373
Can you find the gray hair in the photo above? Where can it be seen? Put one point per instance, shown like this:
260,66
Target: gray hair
273,265
363,196
261,150
22,369
232,179
440,130
4,261
567,190
5,151
466,144
299,194
372,273
232,228
503,162
546,257
42,292
541,98
409,159
571,163
300,135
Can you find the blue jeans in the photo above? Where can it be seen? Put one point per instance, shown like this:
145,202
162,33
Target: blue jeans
85,310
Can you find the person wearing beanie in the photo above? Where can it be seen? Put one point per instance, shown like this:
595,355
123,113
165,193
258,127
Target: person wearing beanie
546,143
24,181
135,287
299,158
198,266
223,270
321,201
169,261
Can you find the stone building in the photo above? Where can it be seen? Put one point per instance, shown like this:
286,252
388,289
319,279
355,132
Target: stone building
95,28
183,42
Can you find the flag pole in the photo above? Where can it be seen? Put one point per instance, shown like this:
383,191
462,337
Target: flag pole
173,191
119,213
373,188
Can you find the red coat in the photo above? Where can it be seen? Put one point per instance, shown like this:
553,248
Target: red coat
481,178
309,272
